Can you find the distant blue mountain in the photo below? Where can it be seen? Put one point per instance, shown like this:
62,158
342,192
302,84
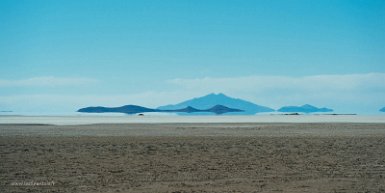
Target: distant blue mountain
383,109
208,101
303,109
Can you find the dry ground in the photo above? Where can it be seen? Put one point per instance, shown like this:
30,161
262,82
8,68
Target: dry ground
220,158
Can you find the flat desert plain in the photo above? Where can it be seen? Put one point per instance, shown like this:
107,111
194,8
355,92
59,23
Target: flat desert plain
193,157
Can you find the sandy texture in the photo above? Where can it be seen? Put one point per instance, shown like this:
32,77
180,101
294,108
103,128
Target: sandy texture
193,158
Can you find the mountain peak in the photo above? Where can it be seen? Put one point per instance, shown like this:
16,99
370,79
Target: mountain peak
216,95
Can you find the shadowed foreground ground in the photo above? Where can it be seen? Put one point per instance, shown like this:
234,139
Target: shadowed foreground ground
239,163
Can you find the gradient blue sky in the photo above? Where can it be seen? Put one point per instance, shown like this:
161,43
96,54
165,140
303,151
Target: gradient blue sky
56,56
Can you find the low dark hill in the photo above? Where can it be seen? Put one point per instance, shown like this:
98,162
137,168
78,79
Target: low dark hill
303,109
128,109
220,109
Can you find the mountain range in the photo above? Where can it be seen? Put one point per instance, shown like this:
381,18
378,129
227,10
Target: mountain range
209,104
134,109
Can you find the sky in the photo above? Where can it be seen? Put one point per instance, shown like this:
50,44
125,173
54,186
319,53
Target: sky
58,56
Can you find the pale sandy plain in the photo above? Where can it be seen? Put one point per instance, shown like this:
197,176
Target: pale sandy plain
232,156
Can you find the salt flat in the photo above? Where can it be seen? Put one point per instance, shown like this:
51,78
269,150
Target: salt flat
96,119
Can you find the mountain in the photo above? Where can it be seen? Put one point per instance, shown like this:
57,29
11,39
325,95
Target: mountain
303,109
133,109
208,101
383,109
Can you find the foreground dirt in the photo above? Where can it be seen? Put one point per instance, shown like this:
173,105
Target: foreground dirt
143,164
193,164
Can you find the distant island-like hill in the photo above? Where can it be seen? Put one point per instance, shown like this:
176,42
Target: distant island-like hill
304,109
383,109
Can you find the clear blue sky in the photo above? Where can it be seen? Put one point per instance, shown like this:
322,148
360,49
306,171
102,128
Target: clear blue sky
124,48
